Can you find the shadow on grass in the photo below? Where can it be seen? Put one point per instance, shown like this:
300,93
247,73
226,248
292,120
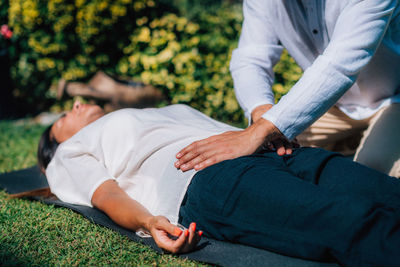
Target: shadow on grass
8,258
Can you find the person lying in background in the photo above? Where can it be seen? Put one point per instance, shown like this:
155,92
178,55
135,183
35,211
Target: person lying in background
312,204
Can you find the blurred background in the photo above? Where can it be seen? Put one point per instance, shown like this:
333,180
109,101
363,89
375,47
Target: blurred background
180,47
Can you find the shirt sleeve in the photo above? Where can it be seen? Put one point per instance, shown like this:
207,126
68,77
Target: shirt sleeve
358,33
252,62
74,174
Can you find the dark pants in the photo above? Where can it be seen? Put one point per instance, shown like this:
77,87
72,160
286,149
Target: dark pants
313,204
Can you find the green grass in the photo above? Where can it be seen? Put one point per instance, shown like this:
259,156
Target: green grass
35,234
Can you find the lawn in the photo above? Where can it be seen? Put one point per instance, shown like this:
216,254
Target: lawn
32,233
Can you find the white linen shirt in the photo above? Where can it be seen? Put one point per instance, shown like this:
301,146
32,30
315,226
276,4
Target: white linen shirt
349,49
135,147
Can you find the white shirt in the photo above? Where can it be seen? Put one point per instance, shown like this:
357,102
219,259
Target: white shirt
349,49
137,148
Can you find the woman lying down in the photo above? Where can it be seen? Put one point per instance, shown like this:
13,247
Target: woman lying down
312,204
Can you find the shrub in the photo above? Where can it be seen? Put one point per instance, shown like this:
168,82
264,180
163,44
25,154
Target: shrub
185,54
60,38
189,60
3,12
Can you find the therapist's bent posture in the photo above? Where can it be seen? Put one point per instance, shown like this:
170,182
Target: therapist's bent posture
312,204
350,53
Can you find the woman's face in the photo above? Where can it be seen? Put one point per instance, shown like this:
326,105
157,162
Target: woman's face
72,121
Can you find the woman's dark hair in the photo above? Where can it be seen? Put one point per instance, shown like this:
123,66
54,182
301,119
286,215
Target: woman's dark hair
46,149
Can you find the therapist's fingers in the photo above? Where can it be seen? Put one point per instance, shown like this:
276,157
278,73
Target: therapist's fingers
279,147
283,146
289,147
205,159
217,148
196,154
208,162
199,152
199,161
192,149
195,148
206,155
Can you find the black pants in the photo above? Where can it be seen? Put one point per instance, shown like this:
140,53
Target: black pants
313,204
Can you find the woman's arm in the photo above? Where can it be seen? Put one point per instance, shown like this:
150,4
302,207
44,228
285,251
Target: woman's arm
127,212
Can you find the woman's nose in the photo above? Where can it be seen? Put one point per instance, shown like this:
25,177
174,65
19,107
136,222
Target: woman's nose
77,104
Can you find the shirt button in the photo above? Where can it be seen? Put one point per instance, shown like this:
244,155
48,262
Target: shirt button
315,31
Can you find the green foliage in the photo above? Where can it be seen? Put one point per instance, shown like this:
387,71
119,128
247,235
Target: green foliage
60,38
3,12
287,73
189,60
178,46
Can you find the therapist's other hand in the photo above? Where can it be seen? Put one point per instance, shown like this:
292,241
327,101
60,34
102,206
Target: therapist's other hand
281,145
259,111
162,230
228,145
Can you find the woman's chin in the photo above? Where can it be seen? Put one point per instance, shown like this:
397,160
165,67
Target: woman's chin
95,112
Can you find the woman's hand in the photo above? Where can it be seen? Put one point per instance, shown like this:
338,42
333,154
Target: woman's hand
162,231
129,213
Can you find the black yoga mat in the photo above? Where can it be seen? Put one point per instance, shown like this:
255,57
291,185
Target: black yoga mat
209,250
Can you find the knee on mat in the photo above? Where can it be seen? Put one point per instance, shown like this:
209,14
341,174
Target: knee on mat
395,171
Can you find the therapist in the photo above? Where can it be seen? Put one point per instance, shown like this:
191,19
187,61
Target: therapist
350,53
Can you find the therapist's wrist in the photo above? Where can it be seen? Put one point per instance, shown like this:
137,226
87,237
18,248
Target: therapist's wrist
263,130
257,113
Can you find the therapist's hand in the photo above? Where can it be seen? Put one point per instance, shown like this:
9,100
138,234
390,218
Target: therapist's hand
259,111
281,145
228,145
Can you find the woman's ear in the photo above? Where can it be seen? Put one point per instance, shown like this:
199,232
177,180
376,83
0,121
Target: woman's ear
42,170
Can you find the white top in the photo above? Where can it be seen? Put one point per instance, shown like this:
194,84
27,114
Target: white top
340,44
137,148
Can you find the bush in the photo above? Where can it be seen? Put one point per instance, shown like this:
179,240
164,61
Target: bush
3,12
60,38
185,54
189,60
